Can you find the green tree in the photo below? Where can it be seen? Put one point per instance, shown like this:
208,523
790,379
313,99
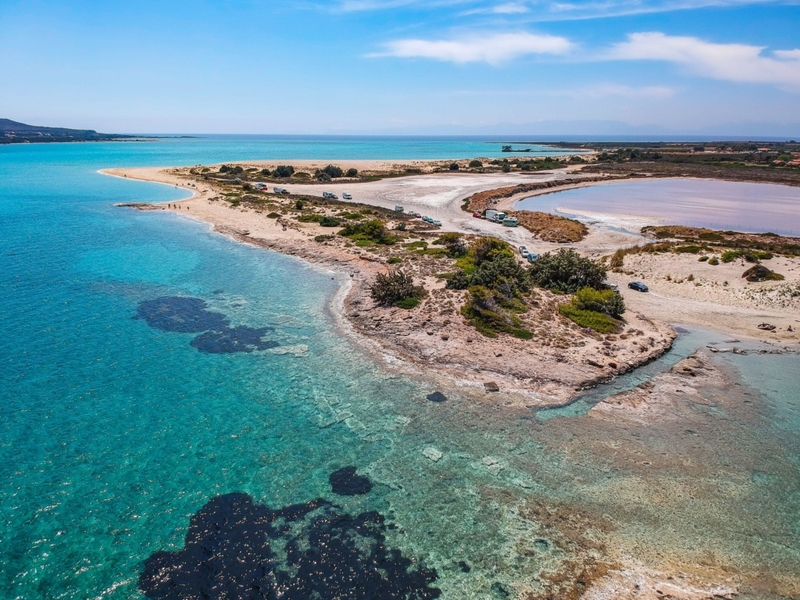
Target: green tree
566,271
333,171
394,287
283,171
352,172
454,166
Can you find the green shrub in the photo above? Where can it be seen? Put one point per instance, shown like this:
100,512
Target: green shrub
703,259
713,261
329,222
454,166
352,172
605,301
283,171
393,287
298,204
372,230
273,215
454,243
408,303
599,322
487,315
690,249
567,271
418,245
310,218
475,164
334,171
323,238
394,260
265,172
617,259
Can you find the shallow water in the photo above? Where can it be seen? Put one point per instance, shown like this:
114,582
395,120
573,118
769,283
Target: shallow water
115,429
725,205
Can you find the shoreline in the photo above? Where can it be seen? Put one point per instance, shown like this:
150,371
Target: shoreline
398,346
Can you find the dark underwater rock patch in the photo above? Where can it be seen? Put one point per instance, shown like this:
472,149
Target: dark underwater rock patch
238,549
180,314
437,397
345,482
234,339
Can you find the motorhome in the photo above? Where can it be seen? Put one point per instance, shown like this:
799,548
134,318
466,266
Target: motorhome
495,216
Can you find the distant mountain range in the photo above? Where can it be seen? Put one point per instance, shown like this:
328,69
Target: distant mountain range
12,132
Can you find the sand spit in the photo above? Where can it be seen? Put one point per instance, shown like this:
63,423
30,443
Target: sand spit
434,337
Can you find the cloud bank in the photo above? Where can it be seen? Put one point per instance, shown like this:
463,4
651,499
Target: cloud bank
727,62
493,49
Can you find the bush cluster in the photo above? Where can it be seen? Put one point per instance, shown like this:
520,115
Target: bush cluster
283,171
396,288
231,170
567,271
372,231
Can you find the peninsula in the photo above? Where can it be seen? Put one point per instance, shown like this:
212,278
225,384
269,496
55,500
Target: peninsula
477,312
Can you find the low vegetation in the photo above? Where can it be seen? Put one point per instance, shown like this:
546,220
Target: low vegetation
396,288
373,231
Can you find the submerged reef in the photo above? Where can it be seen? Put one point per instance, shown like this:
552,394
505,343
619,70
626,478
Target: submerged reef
238,549
234,339
180,314
345,482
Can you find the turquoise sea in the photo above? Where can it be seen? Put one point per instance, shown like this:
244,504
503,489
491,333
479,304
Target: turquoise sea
128,410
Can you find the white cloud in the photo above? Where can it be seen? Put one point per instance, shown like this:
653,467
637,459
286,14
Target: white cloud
728,62
554,10
510,8
493,49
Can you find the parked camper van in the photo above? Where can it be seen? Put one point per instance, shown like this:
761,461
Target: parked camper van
495,216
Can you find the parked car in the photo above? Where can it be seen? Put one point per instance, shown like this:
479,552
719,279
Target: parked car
346,196
330,195
532,257
398,208
611,286
435,222
523,251
638,286
279,190
477,215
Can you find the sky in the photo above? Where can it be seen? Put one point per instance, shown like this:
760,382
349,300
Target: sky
438,67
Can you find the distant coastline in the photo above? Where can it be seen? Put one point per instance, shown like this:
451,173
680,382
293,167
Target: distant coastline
13,132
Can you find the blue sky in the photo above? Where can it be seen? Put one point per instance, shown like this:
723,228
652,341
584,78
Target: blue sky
404,66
